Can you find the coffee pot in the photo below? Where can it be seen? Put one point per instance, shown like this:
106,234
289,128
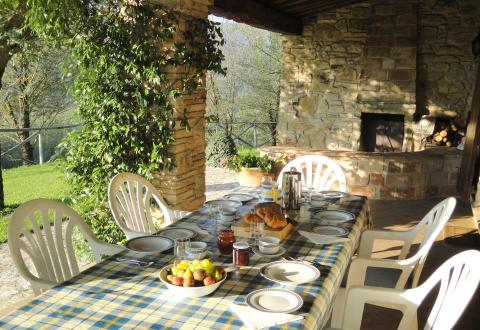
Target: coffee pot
291,189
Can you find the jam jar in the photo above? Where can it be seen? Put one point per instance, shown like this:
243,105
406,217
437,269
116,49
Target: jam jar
225,241
241,256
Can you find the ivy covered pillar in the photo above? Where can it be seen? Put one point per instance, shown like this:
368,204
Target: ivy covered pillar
184,187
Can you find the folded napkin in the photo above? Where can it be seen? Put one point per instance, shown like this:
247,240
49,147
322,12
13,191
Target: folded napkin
254,319
322,239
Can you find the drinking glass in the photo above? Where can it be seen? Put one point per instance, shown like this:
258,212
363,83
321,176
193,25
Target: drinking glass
215,211
181,245
256,231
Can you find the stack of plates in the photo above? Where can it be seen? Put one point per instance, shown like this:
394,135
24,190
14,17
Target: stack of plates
274,300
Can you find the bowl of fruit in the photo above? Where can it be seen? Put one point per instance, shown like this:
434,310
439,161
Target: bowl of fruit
194,279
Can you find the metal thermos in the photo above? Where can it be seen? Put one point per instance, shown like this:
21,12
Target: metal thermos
291,189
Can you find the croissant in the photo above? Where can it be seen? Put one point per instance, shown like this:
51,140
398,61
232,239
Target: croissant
252,218
275,220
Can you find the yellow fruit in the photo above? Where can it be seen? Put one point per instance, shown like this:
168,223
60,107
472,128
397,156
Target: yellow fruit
218,276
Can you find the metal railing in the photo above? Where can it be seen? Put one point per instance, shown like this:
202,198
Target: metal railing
252,134
38,134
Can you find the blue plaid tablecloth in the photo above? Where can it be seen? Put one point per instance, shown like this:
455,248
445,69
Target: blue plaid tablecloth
117,296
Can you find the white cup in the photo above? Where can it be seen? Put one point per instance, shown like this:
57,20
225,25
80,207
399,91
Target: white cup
196,250
268,244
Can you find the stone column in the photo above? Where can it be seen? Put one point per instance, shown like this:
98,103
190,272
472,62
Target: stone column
183,188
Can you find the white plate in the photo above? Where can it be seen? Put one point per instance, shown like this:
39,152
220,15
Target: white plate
329,194
239,197
149,244
281,251
333,216
330,230
290,272
274,300
177,233
225,203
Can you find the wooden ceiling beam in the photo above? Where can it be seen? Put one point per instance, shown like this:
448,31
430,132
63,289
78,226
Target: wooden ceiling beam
257,14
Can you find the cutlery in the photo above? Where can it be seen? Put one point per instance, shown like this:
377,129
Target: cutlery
134,262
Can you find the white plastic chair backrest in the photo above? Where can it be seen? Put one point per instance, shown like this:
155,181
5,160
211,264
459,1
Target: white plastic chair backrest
50,248
318,173
459,277
433,222
130,199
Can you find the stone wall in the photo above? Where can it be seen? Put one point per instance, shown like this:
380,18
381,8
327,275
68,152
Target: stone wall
404,175
445,70
382,56
184,187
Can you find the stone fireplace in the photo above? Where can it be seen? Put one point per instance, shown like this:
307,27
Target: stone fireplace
381,133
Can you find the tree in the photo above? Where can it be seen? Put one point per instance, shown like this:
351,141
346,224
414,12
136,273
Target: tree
261,76
250,91
12,18
34,92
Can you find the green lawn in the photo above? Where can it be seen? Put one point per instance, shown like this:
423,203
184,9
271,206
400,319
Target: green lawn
24,183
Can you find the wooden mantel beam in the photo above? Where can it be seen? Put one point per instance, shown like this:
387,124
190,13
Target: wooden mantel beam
256,14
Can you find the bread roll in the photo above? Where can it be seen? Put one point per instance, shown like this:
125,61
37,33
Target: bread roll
252,218
275,220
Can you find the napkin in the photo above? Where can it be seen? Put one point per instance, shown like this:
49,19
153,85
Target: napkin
254,319
322,239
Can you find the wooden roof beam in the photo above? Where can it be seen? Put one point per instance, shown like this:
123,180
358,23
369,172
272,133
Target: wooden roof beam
256,14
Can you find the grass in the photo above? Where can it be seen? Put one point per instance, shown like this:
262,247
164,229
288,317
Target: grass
24,183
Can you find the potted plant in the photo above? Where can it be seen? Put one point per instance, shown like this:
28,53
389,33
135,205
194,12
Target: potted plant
250,168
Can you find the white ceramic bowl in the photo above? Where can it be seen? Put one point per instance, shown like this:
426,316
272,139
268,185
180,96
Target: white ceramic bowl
193,292
269,245
150,244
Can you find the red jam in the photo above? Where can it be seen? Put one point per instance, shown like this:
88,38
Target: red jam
225,241
241,256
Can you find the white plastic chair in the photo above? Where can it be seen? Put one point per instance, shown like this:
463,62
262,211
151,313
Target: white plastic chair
365,270
130,198
318,173
50,249
458,277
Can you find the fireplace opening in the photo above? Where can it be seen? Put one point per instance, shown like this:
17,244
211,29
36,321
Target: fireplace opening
381,132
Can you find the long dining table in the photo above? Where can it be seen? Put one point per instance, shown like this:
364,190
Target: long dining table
116,295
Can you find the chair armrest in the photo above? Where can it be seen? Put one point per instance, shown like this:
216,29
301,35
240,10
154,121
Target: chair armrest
359,266
369,236
396,299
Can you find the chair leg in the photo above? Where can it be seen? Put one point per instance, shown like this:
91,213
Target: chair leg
337,310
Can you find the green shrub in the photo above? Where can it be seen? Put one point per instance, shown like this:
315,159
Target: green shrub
100,220
249,160
220,146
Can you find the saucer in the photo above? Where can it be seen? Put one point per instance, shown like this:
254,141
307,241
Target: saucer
208,255
280,252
